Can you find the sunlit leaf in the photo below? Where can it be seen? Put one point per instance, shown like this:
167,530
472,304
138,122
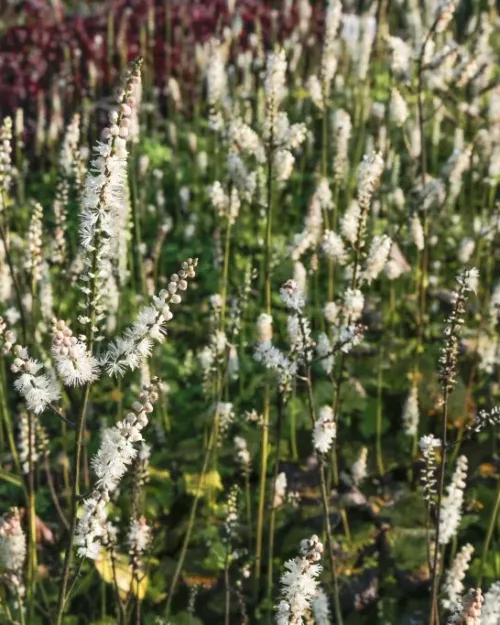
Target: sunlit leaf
124,579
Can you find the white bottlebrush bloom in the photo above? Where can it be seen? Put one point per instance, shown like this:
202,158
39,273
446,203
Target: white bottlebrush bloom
74,364
398,108
468,611
354,302
315,91
118,448
300,275
216,84
274,83
466,249
283,161
490,614
417,233
331,311
24,443
299,584
69,148
397,264
321,609
38,389
324,352
138,539
310,235
33,261
104,206
299,334
342,127
428,445
401,56
226,205
349,225
350,336
333,17
325,430
324,194
12,551
367,36
451,507
91,527
377,257
12,542
453,583
445,9
243,180
288,136
272,358
130,350
359,468
5,159
243,138
279,491
455,168
292,296
264,328
411,413
242,454
469,279
225,417
333,247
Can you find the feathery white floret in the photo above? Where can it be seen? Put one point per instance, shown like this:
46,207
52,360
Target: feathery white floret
490,614
299,584
359,468
325,430
411,413
333,247
377,257
74,364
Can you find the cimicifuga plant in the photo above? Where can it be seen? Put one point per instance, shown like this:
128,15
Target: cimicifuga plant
333,165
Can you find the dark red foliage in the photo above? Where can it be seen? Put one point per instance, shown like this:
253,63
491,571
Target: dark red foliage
47,46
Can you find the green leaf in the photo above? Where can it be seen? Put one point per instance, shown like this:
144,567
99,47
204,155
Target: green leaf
11,478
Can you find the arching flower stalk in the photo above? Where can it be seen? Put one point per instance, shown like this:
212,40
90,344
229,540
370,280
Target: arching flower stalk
453,585
131,349
116,453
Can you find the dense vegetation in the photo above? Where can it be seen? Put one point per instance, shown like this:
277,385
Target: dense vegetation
250,320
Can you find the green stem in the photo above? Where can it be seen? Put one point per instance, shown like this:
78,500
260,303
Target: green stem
74,506
180,562
489,534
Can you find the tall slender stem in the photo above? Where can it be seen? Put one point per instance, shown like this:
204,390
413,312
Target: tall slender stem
192,516
225,271
491,527
32,564
74,506
265,425
434,571
325,503
272,521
